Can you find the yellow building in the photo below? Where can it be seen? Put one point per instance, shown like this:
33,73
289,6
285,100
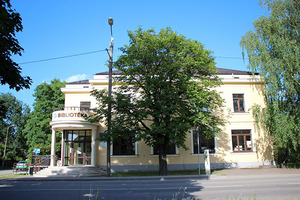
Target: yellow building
239,144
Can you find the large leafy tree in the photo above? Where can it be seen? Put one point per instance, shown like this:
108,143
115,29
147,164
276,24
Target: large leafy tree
10,24
47,98
13,121
166,87
273,51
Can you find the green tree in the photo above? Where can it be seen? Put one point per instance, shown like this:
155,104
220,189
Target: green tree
166,87
10,24
47,98
273,51
17,115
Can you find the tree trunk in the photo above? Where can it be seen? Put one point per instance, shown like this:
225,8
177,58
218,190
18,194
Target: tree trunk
163,165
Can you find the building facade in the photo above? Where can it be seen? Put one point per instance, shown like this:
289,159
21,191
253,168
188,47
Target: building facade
239,144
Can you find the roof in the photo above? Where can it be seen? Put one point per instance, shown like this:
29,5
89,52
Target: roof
222,71
80,82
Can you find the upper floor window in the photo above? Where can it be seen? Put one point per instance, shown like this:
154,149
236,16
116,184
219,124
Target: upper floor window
85,105
241,140
204,143
238,103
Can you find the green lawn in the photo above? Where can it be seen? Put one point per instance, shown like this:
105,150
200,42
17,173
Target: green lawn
181,172
12,176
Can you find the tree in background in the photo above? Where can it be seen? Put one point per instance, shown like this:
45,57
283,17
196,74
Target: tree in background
166,87
38,130
10,24
16,114
273,51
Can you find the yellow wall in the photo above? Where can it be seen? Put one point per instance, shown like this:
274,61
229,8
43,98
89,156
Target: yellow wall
262,149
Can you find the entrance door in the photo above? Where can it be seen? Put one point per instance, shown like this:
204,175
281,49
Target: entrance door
77,147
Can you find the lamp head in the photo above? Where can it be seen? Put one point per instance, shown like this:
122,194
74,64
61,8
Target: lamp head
110,21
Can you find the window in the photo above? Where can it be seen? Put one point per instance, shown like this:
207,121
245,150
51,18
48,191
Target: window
85,105
171,149
238,103
204,143
123,146
241,140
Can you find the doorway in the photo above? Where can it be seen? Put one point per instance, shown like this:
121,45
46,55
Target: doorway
77,147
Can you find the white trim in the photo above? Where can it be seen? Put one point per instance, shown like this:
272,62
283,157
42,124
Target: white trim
53,143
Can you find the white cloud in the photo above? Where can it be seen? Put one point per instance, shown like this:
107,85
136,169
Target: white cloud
78,77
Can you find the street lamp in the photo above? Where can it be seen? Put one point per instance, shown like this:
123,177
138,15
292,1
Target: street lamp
111,46
3,159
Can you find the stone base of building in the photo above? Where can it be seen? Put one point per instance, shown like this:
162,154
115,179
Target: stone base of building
174,167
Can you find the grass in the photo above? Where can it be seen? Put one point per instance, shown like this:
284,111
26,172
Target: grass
12,176
9,174
155,173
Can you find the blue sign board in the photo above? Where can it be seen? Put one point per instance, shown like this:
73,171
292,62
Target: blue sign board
37,150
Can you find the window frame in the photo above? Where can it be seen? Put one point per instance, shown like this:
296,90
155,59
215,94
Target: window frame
123,155
244,135
85,108
207,140
238,102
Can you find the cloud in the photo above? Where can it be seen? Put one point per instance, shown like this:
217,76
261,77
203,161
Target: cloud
78,77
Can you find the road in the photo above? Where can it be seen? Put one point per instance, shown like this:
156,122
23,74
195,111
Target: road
282,186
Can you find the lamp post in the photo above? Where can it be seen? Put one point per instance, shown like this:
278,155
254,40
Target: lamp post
111,46
3,159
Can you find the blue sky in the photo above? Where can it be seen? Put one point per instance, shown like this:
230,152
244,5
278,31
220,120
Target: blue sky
57,28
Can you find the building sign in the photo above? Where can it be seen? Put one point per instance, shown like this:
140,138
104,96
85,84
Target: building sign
69,115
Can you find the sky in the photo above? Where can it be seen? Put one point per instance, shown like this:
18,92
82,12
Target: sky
67,39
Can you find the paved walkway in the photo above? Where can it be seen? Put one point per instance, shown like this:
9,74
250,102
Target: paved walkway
257,171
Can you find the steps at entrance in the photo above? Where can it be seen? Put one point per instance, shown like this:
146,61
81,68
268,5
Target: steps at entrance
70,171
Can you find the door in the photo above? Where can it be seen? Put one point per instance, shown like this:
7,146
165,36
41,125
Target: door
77,147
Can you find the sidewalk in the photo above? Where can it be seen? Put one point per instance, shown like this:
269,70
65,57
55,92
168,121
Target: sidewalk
257,171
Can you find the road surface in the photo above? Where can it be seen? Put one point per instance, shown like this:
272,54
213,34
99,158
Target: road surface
262,186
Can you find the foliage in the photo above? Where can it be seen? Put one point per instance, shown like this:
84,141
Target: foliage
10,24
273,51
165,87
47,97
17,115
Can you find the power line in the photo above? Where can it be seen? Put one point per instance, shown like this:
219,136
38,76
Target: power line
226,57
62,57
98,51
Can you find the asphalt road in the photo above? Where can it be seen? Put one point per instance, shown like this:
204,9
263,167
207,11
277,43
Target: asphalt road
261,186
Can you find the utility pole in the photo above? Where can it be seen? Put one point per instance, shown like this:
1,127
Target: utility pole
108,168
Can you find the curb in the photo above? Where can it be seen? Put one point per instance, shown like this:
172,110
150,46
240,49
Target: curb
162,178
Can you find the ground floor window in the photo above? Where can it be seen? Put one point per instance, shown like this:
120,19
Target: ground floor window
124,146
77,147
241,140
205,142
171,149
